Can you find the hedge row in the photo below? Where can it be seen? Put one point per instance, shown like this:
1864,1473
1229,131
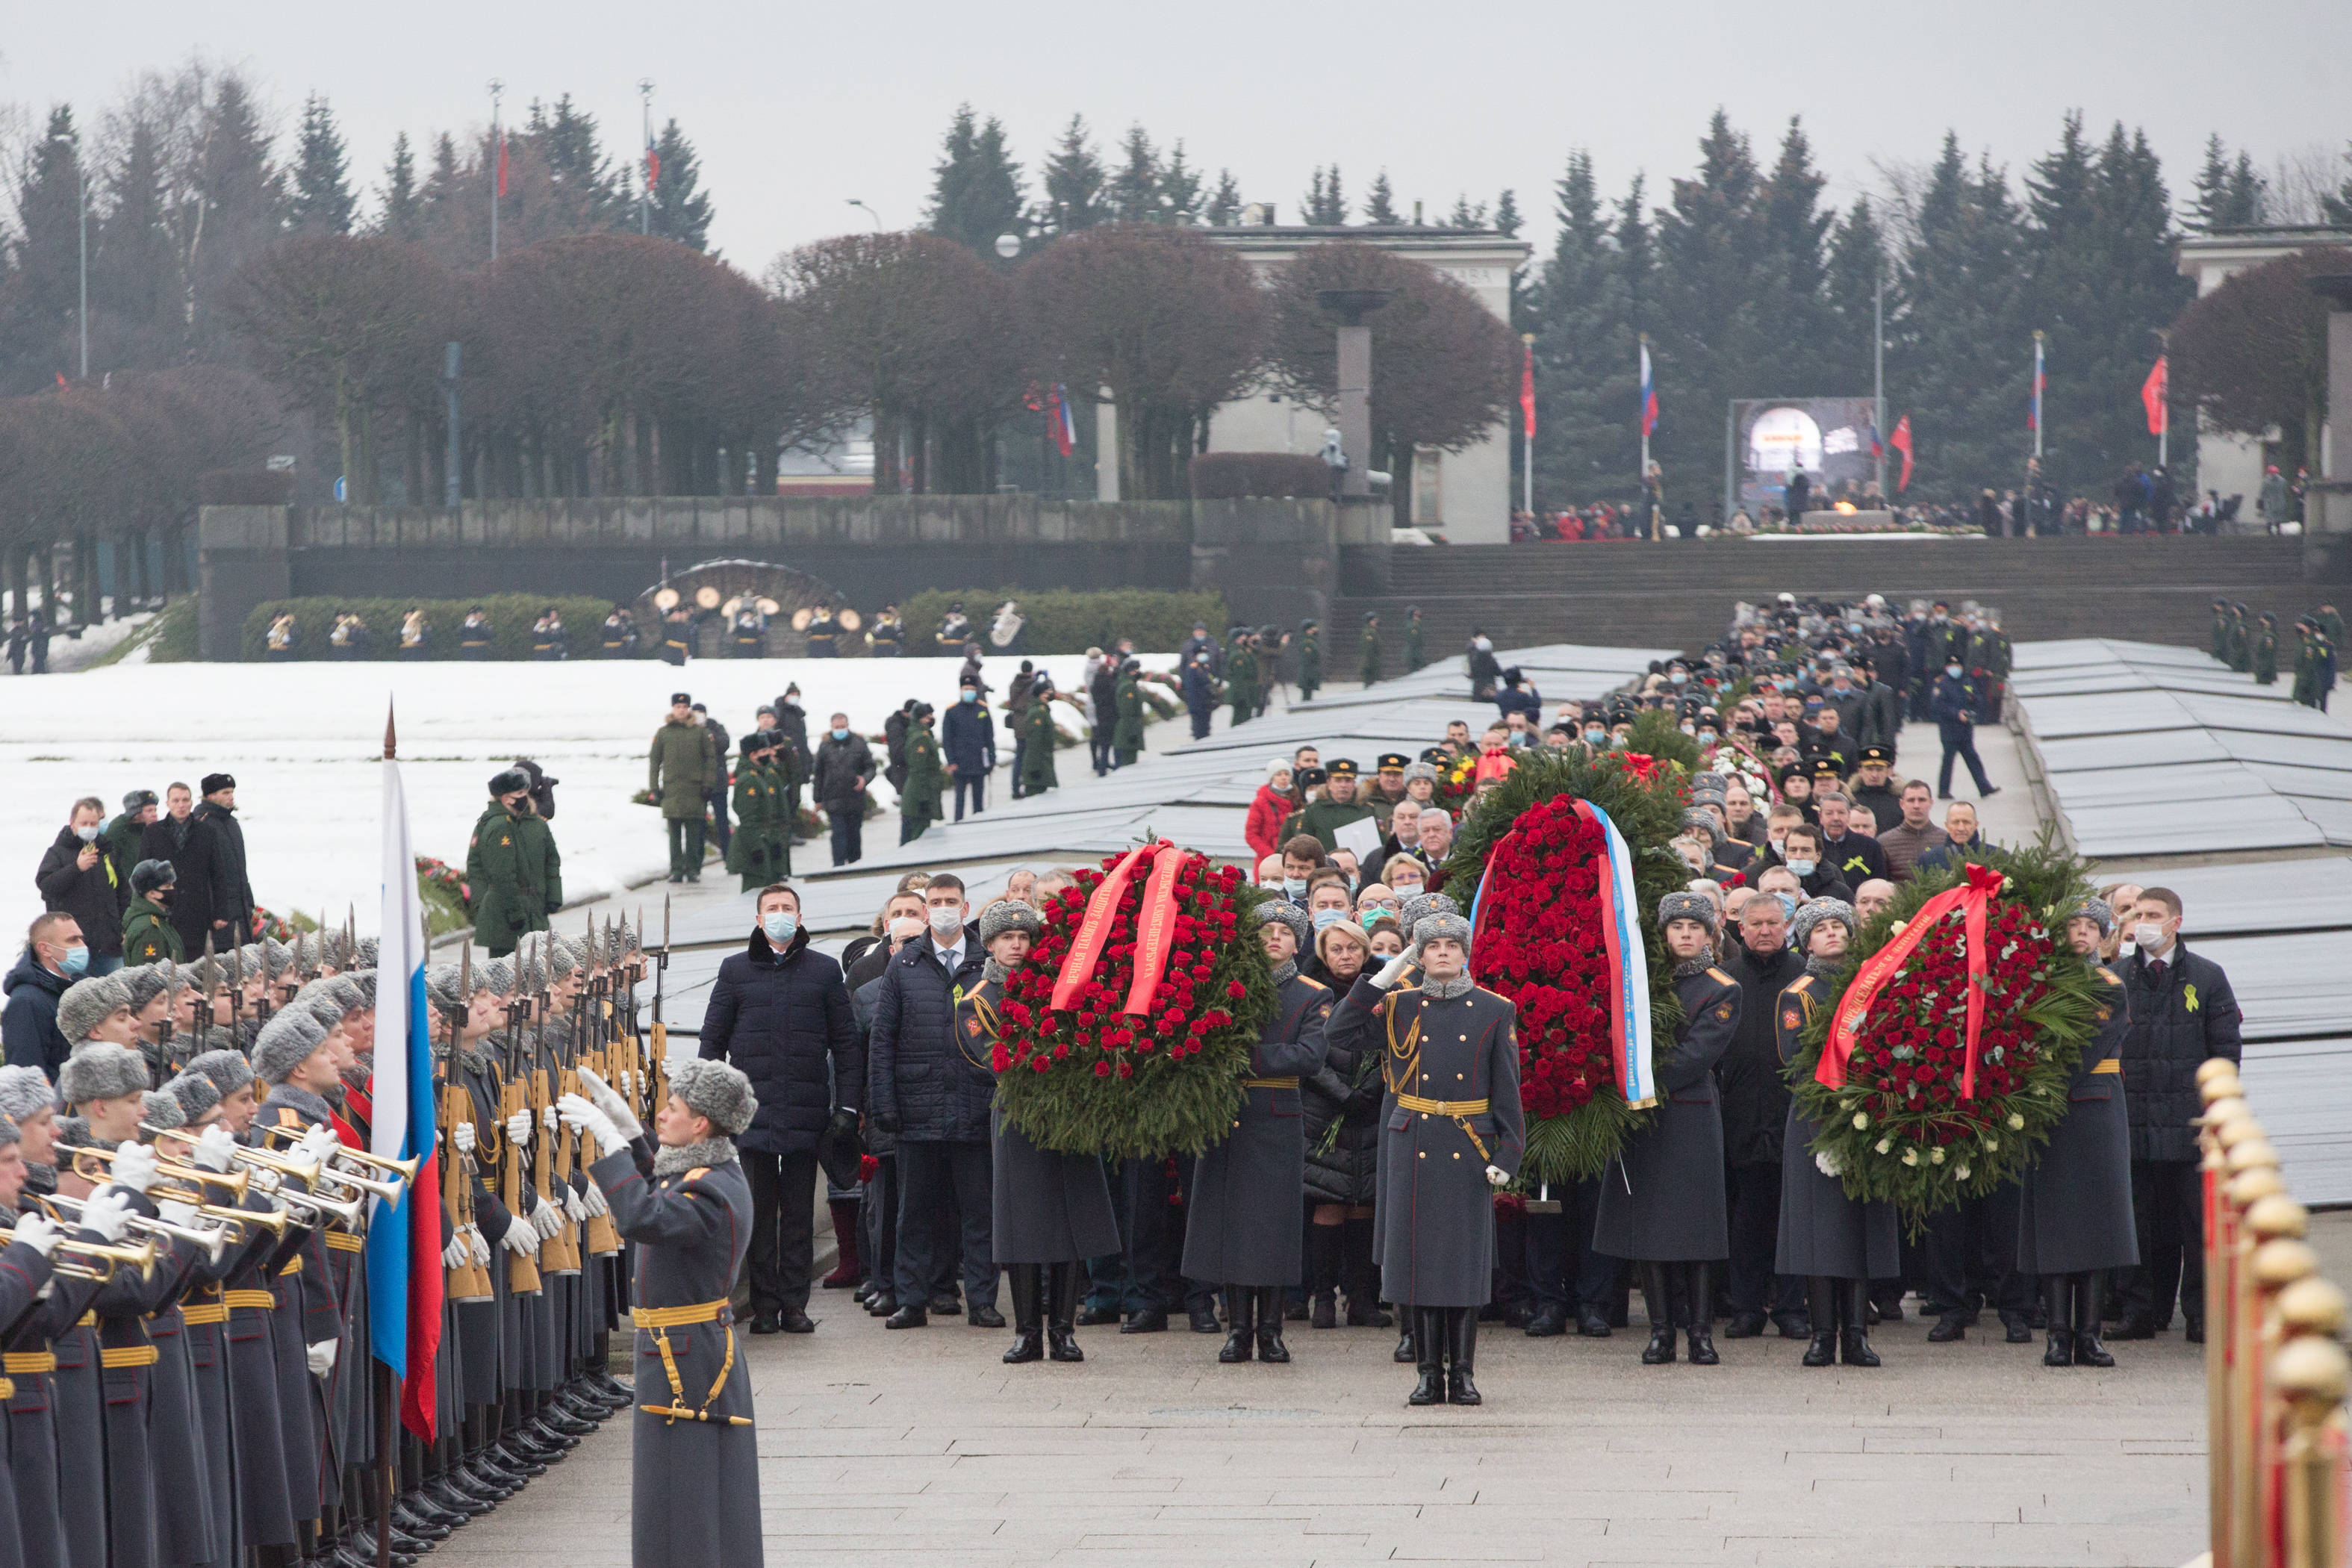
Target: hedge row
1069,621
511,615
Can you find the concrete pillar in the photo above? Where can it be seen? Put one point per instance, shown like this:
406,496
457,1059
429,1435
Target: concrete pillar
1355,408
1106,448
2327,509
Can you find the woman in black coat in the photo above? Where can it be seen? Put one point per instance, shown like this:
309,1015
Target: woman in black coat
2075,1216
1342,1162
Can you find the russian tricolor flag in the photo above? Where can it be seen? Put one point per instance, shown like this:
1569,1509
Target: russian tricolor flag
403,1239
1649,395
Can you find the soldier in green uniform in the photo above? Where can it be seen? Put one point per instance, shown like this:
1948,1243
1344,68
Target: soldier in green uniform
748,850
683,764
1413,658
120,839
475,637
1038,737
2220,643
1126,734
148,936
927,778
1336,809
2266,650
1310,660
2238,653
1367,668
513,874
1241,676
2330,625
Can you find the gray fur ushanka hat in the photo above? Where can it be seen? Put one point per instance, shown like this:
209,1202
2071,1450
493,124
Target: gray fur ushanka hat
715,1090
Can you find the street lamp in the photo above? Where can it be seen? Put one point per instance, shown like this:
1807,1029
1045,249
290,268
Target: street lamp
869,212
1008,246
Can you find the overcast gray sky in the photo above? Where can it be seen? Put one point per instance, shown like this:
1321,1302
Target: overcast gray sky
795,109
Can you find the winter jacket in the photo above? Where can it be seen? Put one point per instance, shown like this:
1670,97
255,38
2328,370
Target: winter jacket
840,765
787,1023
514,874
96,898
189,849
1945,856
231,894
1954,702
28,1024
148,935
1755,1096
120,841
1347,1090
918,1085
1262,831
968,738
683,763
2176,1022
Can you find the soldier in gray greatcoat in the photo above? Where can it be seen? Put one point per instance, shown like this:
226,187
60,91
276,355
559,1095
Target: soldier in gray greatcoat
1050,1212
695,1497
2074,1220
1662,1198
1452,1130
1837,1243
1241,1213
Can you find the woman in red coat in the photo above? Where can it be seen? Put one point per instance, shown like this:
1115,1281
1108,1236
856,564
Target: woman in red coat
1269,811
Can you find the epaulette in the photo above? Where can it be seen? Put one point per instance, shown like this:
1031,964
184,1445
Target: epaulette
1311,981
1719,976
1802,983
699,1172
2109,976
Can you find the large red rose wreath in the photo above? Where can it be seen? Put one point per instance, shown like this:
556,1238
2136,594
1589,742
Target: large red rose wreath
1914,1116
1094,1079
1540,937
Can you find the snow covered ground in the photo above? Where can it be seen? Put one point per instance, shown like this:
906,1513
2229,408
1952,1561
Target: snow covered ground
302,739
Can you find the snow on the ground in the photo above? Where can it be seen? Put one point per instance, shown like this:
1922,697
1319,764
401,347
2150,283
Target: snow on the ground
303,740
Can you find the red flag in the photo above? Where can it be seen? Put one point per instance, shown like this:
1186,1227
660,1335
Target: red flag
62,380
2152,396
502,167
1901,442
1527,387
653,167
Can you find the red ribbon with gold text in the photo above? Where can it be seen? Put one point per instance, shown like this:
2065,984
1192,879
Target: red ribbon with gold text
1094,930
1640,765
1969,898
1155,928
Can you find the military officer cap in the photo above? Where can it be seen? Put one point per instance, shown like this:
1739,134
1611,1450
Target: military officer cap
1421,770
1444,927
715,1090
139,799
1826,768
1281,911
196,1093
1704,820
509,781
1340,768
1307,625
1812,912
1371,616
1420,907
1392,762
1008,914
1875,754
2097,910
228,1070
215,783
1687,907
85,1003
1308,778
286,1042
100,1069
1433,755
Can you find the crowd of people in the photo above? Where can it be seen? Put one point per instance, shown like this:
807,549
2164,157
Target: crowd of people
2251,647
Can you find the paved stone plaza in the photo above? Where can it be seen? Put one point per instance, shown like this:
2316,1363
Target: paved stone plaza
926,1450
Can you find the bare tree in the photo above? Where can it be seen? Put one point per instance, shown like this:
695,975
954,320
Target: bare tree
2252,355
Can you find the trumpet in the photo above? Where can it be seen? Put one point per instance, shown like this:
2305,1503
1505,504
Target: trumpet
319,1206
388,1191
274,1220
192,1176
277,1164
211,1241
104,1261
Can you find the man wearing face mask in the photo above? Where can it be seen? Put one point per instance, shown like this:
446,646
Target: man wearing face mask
2182,1012
77,877
845,763
780,1013
54,956
1954,705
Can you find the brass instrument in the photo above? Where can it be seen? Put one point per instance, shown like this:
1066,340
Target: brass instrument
210,1242
104,1259
333,1174
276,1165
192,1178
319,1206
275,1221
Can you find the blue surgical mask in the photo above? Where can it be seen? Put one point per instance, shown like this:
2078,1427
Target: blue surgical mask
1294,886
840,734
76,961
1596,737
1788,905
968,695
780,925
1324,918
1801,867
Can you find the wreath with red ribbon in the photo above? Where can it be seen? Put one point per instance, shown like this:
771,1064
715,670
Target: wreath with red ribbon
1128,1030
1540,937
1960,1017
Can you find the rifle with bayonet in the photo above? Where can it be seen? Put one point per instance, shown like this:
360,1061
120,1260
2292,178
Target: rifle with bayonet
561,1252
523,1271
467,1280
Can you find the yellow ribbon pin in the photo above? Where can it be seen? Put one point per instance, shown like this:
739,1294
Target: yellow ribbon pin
2190,991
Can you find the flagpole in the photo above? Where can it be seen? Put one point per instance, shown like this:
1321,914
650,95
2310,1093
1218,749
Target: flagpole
497,88
1528,459
646,196
2164,403
2038,420
1643,419
1878,373
387,1387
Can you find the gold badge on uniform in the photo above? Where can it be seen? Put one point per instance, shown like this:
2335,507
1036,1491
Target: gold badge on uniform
1791,1019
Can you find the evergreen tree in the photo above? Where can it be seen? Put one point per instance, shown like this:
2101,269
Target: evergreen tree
403,216
1465,216
1709,343
1323,204
681,209
1958,359
588,194
1792,310
1180,189
2338,208
134,315
322,202
1074,183
1225,205
1135,193
1585,310
45,295
1507,213
1857,260
244,200
1379,205
2229,195
2247,195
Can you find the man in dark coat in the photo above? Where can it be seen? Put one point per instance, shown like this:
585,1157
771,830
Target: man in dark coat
176,836
1755,1113
122,835
968,748
77,877
1953,705
2182,1012
53,959
1855,857
232,893
923,1092
780,1012
844,766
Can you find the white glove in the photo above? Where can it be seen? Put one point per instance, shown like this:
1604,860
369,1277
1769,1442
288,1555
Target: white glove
462,1135
519,1128
574,1207
478,1243
318,1144
38,1232
624,1079
108,1212
547,1219
174,1212
215,1148
1393,970
134,1167
593,1200
454,1256
550,1119
601,1095
582,1117
1497,1175
322,1357
520,1239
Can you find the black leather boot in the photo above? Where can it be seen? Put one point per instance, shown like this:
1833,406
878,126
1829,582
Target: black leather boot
2057,1292
1063,1282
1407,1352
1852,1297
1462,1335
1239,1301
1323,1275
1658,1300
1028,1313
1270,1347
1359,1275
1698,1278
2088,1351
1820,1305
1429,1351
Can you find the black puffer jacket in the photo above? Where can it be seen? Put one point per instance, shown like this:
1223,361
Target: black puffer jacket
1347,1088
919,1086
2175,1025
1755,1096
788,1026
